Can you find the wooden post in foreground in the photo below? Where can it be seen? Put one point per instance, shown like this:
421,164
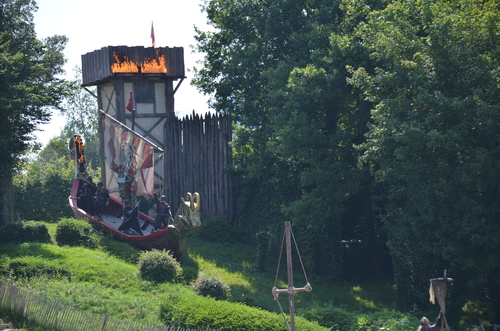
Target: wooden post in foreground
291,290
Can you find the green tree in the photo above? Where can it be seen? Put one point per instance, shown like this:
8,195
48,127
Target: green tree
433,145
28,81
279,70
42,188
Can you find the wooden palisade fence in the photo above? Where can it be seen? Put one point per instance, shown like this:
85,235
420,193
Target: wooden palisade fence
197,157
20,304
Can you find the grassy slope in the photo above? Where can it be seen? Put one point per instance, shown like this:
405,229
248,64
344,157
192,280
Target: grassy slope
235,264
103,283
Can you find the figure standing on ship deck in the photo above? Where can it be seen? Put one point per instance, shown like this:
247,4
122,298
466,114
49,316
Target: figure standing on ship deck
163,213
87,195
102,200
130,220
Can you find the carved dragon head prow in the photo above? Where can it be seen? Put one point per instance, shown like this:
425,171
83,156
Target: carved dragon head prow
187,217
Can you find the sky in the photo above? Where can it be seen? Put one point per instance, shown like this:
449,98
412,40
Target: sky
93,24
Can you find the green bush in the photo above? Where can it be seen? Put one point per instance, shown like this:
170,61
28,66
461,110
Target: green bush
211,286
74,232
30,269
203,312
158,266
27,231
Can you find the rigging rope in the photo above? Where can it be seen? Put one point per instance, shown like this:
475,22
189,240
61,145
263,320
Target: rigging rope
300,258
279,261
162,175
282,313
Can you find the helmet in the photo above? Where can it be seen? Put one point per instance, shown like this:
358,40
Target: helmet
128,202
89,178
163,198
99,184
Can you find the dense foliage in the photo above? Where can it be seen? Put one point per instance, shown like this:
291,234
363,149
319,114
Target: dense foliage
278,69
433,143
373,122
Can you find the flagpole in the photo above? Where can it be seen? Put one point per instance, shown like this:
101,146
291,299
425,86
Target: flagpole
153,35
133,118
126,127
130,107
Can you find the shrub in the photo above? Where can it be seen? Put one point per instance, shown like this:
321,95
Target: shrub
28,231
203,312
211,286
158,266
73,232
30,269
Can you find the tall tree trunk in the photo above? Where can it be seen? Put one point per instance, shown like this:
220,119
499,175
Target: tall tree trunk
7,202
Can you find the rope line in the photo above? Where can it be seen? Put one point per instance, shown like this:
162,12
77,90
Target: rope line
300,258
282,313
279,261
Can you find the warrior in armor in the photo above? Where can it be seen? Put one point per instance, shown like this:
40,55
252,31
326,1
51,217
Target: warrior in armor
163,213
102,200
87,195
130,220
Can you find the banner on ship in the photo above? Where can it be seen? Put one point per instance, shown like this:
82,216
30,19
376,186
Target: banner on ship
129,157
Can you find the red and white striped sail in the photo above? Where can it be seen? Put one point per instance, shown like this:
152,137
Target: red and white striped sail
128,157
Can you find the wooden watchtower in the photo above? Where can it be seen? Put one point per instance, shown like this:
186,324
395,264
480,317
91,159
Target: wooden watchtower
153,75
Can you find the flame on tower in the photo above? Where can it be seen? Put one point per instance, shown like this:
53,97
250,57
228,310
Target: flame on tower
157,65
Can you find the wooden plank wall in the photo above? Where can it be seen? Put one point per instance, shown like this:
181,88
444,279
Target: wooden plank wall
197,156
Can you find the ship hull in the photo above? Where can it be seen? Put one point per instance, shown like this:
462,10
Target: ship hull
112,219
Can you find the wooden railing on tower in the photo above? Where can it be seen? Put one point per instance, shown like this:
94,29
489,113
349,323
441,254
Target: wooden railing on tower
197,156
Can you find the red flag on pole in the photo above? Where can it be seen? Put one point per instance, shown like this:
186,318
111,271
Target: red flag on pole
152,34
130,103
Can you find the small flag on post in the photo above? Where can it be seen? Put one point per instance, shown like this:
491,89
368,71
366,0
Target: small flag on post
152,34
130,103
